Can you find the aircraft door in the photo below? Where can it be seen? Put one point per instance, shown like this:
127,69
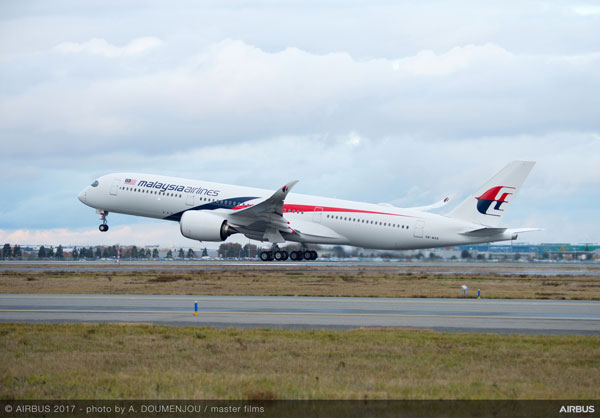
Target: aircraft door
419,226
115,186
317,214
190,199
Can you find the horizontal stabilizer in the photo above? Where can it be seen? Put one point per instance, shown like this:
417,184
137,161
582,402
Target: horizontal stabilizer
519,230
506,233
484,232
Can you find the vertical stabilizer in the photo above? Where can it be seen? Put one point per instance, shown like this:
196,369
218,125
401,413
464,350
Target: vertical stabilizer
491,200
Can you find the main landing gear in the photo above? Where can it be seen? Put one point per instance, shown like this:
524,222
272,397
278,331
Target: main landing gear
282,255
103,226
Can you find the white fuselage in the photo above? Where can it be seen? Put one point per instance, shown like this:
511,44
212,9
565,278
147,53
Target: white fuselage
336,221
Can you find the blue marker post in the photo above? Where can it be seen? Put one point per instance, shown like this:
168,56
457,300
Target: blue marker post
196,308
478,293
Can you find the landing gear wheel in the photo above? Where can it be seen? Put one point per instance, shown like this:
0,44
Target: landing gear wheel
104,226
307,255
313,255
264,256
296,256
280,255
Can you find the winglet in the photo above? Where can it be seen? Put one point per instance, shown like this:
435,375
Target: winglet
282,192
435,205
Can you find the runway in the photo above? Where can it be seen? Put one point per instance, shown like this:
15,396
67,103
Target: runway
470,315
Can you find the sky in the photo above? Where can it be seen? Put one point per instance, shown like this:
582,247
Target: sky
400,102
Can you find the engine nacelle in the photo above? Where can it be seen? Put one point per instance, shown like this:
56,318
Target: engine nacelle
203,226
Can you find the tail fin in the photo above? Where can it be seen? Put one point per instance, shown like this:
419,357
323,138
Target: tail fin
491,200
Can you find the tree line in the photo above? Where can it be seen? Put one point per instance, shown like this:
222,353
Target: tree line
58,253
235,250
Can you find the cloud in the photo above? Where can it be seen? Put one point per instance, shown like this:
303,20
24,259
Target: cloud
467,91
428,63
586,9
98,46
145,233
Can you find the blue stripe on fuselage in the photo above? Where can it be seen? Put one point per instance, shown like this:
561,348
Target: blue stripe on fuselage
219,204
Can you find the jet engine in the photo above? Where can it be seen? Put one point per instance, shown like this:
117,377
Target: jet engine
204,226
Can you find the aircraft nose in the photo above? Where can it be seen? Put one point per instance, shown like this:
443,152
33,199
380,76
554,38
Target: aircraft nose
81,195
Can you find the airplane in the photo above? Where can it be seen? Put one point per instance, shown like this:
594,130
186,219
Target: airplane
212,212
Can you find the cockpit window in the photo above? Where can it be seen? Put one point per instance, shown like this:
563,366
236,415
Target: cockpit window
95,183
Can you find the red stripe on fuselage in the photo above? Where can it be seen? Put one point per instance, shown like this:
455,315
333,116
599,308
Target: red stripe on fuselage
310,208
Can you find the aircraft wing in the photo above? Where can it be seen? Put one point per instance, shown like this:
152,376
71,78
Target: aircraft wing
264,220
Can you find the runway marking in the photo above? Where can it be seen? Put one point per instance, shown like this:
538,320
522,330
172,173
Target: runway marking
305,314
187,298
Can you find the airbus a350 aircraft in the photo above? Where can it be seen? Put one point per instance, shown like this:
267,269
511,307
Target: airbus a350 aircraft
213,212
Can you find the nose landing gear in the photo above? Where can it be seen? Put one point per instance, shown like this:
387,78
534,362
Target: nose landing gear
103,226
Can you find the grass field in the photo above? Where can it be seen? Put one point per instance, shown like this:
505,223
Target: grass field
264,282
109,361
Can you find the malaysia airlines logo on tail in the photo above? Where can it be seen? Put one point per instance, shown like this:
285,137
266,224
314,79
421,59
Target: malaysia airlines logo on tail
495,195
